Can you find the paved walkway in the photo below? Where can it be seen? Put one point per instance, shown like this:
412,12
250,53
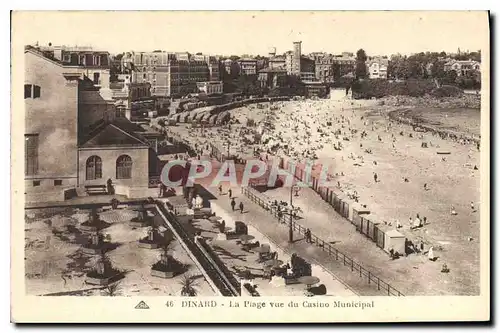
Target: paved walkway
412,275
334,286
266,224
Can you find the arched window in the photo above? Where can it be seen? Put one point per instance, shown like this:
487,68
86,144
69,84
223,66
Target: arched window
123,167
94,168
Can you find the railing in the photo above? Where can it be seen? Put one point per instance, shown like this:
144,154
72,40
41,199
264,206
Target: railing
371,278
228,279
213,274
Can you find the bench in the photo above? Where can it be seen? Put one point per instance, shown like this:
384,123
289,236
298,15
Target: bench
96,189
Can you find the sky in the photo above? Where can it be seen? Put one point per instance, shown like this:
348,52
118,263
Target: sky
255,32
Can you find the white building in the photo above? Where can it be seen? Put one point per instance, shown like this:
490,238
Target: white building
210,87
377,68
462,67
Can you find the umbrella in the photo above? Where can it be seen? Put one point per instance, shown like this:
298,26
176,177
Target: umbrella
246,238
261,249
308,280
214,218
273,263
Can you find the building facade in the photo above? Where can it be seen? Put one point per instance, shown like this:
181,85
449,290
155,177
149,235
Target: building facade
272,77
344,64
51,128
210,87
247,66
277,62
171,74
377,67
324,67
462,67
148,67
92,64
315,89
72,138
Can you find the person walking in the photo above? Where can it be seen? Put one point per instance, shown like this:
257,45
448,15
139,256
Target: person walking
220,189
308,235
233,204
241,207
160,188
230,193
109,186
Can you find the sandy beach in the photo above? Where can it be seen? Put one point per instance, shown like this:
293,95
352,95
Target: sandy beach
417,172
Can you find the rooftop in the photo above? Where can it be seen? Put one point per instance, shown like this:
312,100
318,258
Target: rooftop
119,132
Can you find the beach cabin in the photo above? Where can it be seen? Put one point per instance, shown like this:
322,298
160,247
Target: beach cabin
396,240
373,222
213,119
358,211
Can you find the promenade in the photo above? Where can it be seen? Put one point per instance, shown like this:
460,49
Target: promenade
276,232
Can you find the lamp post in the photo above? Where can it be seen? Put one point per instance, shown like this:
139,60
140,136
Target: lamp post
290,226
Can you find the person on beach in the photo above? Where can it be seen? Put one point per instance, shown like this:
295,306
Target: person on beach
430,254
233,204
391,253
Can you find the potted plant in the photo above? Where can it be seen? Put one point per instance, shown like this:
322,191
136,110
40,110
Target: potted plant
167,267
188,286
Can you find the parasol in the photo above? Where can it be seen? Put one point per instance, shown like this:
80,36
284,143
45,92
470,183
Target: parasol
245,238
262,249
309,280
214,218
273,263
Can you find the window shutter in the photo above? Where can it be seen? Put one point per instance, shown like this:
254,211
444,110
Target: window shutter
36,91
27,91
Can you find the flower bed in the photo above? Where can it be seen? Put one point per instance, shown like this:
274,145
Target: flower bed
94,226
102,279
171,269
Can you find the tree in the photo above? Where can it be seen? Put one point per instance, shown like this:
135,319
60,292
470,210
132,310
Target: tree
188,286
437,69
295,87
248,85
450,77
398,67
112,289
361,72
